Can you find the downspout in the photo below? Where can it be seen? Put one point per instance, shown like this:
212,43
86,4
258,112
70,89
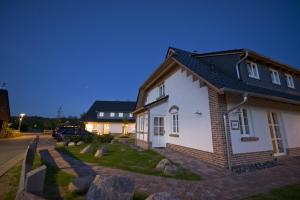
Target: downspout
237,65
226,129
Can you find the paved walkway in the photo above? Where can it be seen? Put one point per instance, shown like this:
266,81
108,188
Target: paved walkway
218,186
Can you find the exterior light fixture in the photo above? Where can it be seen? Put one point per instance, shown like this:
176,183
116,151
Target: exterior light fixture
20,122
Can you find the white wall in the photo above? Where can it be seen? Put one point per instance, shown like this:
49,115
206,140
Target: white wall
194,130
113,127
288,119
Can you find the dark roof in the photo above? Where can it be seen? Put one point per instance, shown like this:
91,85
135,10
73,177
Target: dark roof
109,106
222,81
4,105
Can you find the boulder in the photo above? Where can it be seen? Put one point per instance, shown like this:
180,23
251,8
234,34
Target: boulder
113,141
71,144
60,144
80,185
87,149
101,152
171,170
79,143
111,188
104,150
162,196
162,164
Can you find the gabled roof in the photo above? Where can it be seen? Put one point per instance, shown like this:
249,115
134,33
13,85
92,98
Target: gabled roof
220,81
109,106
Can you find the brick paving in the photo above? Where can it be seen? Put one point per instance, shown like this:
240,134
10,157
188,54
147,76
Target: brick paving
217,183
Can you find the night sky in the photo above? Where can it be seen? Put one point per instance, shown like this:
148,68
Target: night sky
71,53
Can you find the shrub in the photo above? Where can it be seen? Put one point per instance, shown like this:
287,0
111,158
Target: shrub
104,138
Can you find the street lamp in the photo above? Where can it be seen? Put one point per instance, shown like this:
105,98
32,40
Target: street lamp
20,122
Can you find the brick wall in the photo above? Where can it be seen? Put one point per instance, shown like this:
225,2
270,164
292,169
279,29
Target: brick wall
142,144
251,158
293,151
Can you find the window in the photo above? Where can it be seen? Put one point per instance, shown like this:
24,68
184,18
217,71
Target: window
252,70
112,114
175,127
244,121
161,91
130,114
100,114
120,114
142,124
289,81
275,76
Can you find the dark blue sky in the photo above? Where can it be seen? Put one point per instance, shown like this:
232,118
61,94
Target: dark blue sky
72,53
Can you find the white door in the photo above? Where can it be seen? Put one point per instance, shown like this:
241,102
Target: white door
158,139
275,133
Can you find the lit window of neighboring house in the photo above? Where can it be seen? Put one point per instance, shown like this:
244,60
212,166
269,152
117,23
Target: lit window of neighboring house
120,114
100,114
289,81
244,121
161,90
175,123
130,114
275,76
112,114
252,70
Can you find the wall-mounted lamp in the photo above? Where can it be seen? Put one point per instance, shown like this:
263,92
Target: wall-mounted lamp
198,113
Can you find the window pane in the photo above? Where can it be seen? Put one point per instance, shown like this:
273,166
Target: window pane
241,124
277,131
155,121
280,146
156,130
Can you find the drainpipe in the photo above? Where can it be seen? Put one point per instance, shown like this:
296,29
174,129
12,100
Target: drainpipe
226,129
237,68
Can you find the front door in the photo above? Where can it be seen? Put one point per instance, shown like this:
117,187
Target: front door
105,128
275,133
158,132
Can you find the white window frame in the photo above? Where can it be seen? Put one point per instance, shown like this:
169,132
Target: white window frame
252,69
174,123
120,114
161,90
244,120
112,114
101,114
289,81
275,77
159,129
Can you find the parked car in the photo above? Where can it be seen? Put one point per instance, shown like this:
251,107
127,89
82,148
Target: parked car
63,133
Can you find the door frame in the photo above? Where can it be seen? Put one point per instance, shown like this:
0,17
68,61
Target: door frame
282,134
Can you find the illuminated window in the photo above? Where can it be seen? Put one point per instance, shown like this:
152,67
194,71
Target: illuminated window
112,114
120,114
100,114
130,114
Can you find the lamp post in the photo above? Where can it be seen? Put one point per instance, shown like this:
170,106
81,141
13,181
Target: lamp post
20,122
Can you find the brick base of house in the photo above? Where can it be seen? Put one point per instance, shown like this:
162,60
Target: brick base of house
142,144
293,151
251,158
205,156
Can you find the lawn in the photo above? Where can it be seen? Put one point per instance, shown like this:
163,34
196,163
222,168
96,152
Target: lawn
291,192
9,183
124,157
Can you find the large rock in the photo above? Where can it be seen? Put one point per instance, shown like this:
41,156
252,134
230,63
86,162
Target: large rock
71,144
171,170
35,179
81,185
162,196
79,143
87,149
111,188
101,152
162,164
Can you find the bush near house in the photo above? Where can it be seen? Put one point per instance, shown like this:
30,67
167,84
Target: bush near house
89,138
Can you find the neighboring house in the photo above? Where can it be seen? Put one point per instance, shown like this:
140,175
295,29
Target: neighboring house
105,117
4,110
183,104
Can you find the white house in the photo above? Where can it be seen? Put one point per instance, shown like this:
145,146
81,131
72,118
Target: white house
185,104
110,117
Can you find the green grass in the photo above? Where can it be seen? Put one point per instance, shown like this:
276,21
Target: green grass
9,183
37,162
291,192
122,156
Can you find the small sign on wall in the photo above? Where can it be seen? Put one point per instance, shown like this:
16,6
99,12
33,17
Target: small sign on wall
235,125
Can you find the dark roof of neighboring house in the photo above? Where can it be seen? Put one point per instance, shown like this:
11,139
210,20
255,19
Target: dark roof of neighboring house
223,82
110,106
4,105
